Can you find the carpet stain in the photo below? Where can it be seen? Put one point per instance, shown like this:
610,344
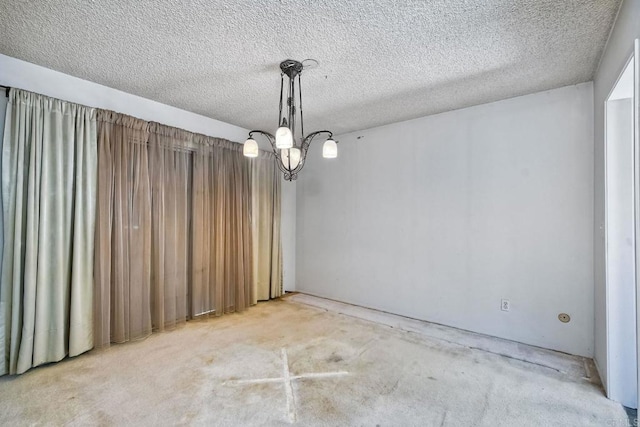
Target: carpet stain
334,358
395,378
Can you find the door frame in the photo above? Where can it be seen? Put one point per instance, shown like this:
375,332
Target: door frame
636,168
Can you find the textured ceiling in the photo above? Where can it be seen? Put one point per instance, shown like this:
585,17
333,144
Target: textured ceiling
381,61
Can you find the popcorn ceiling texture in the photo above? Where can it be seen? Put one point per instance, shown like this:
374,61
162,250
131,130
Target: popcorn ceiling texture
381,61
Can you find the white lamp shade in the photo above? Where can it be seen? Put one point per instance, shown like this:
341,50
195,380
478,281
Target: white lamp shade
330,149
290,158
250,148
284,137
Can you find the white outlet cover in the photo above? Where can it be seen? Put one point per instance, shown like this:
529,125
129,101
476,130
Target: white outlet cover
505,305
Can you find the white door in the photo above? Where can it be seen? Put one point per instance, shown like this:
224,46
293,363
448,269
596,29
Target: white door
622,237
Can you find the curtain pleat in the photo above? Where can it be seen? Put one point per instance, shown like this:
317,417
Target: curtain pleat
266,213
49,194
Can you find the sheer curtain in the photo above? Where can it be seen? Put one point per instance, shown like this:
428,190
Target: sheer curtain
122,255
221,262
170,166
267,245
174,228
49,197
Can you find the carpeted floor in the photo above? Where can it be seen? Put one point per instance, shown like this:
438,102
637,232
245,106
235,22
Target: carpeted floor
309,361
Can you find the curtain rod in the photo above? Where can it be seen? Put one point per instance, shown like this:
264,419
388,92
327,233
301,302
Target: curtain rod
6,90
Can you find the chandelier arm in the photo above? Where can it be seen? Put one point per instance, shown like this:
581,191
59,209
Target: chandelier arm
276,152
288,173
305,147
307,141
282,167
272,141
300,165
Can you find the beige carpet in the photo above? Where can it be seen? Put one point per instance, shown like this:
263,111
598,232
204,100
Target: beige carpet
341,370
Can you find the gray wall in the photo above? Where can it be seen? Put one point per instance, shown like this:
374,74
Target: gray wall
619,50
439,218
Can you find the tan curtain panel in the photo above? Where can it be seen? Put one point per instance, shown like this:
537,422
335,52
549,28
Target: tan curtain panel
267,246
49,199
221,248
170,172
173,240
123,232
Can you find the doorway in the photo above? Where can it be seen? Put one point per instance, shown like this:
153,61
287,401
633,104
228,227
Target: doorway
621,242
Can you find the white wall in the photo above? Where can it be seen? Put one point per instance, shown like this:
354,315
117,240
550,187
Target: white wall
618,51
288,233
24,75
440,217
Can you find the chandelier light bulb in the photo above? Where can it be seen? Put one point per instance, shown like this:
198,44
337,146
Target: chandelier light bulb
250,148
330,149
284,137
290,158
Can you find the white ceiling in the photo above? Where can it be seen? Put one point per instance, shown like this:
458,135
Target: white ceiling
381,61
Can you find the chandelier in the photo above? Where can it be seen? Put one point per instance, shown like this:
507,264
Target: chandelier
290,151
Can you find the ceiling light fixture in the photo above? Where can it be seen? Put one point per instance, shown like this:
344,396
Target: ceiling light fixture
290,156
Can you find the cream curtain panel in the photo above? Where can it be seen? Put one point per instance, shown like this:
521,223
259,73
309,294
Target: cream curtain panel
49,163
267,246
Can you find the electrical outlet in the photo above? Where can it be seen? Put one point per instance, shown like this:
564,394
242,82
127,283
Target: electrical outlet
505,305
